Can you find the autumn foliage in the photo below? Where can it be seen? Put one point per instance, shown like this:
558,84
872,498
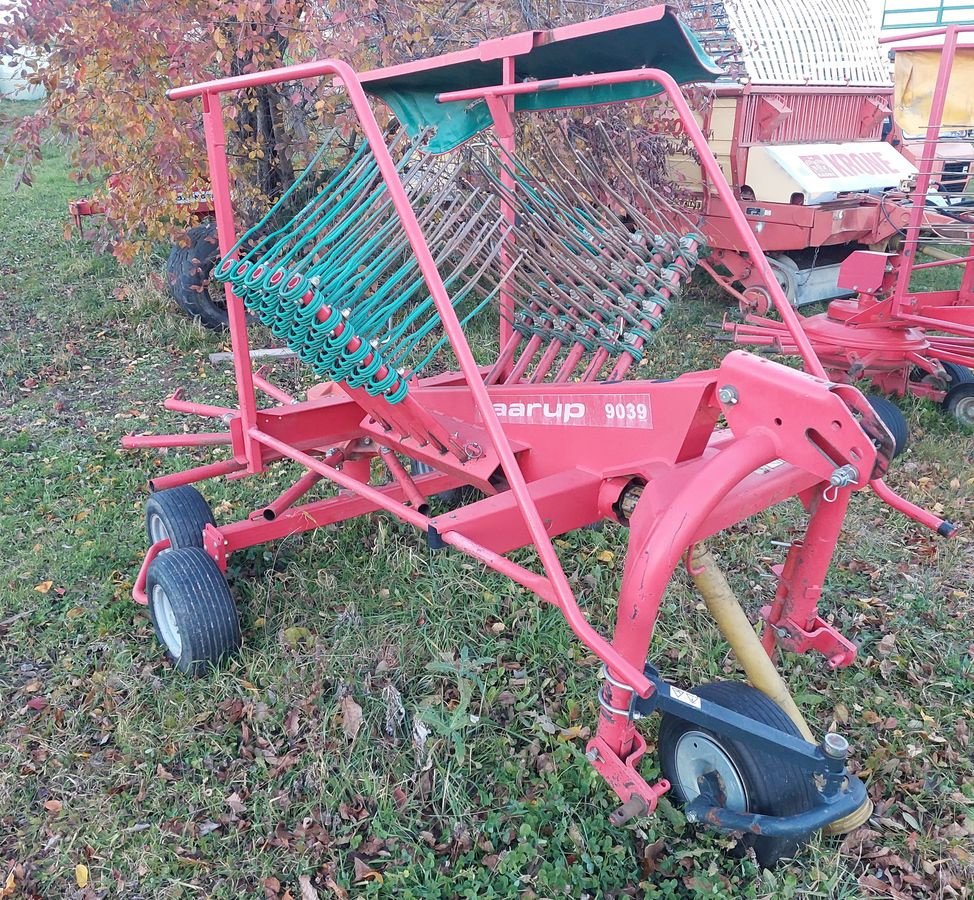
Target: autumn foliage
106,65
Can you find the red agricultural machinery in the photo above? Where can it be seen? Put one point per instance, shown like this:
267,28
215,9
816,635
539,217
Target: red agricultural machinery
901,335
798,123
373,281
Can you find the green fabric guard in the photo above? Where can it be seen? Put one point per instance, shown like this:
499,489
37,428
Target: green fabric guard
664,44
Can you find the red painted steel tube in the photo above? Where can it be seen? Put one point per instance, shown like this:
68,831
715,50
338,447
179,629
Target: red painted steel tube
204,439
712,169
342,480
915,35
177,404
655,550
294,493
404,480
216,153
272,390
200,473
911,510
508,143
138,589
605,651
806,566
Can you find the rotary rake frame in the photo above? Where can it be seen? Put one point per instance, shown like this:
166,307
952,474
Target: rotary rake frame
897,336
553,447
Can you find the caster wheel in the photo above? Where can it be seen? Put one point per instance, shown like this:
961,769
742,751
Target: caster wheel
179,514
749,779
892,417
959,403
192,611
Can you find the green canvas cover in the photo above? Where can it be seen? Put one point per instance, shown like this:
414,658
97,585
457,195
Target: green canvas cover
662,44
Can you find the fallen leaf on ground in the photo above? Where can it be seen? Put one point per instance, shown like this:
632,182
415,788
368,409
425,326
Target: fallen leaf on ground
308,891
336,888
364,872
351,717
53,806
43,587
81,875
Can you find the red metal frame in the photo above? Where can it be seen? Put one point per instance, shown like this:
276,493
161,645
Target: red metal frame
890,330
789,434
789,227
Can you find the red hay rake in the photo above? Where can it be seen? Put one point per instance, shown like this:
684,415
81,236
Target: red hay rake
373,280
903,339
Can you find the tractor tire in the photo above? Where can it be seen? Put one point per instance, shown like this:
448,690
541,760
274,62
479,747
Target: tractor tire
189,271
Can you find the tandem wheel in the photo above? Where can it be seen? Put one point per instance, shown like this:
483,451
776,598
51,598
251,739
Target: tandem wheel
959,404
741,778
192,610
179,514
892,417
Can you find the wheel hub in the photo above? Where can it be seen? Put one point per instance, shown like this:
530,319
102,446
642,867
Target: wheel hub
166,620
964,411
701,760
157,529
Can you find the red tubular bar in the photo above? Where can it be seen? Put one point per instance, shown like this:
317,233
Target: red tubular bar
404,479
294,493
200,473
175,403
202,439
272,390
655,550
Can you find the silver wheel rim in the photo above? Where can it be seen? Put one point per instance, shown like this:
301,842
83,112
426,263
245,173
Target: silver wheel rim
157,529
700,754
964,411
166,621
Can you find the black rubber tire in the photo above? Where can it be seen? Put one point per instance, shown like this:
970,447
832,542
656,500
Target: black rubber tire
959,403
182,512
957,374
892,417
188,272
773,787
202,610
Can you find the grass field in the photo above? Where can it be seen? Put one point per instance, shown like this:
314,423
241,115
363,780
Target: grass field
466,776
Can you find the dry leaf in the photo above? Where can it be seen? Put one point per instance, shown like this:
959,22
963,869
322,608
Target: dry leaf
43,587
53,806
308,891
9,886
606,556
364,872
336,888
351,717
81,875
